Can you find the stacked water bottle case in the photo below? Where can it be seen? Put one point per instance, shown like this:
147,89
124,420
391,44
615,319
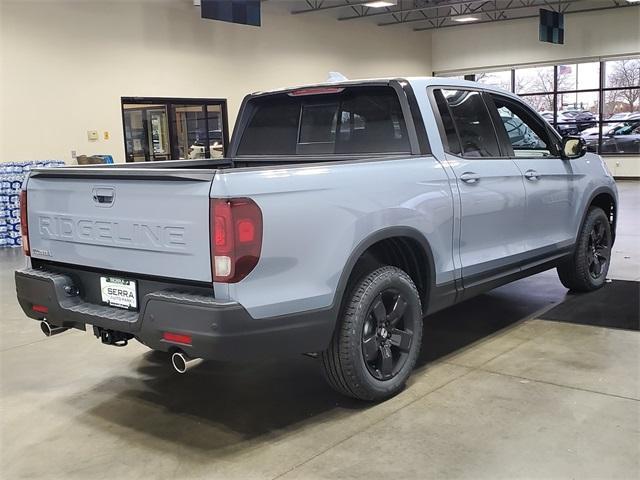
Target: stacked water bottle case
12,175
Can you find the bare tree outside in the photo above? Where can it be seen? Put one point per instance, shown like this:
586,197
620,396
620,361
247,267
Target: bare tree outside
623,74
538,80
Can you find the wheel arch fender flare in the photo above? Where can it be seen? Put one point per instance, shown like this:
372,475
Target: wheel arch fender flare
369,241
589,202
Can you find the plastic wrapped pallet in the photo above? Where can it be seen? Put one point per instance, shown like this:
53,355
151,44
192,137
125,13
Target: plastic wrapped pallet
12,175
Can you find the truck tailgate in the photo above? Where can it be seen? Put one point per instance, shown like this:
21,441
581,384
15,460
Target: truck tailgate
140,222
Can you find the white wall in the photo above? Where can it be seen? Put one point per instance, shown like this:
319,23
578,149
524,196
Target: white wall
65,64
587,35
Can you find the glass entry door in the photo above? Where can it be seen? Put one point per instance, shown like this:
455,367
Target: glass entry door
146,132
174,129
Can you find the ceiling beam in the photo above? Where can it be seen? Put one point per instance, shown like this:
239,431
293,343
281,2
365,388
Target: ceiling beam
597,9
432,7
321,6
410,10
495,9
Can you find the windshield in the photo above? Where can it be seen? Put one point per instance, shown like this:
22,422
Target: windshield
337,120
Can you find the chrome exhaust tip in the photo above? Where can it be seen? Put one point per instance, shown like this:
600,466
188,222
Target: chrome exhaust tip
50,330
182,363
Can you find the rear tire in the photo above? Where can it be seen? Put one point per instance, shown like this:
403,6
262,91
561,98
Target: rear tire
588,267
377,340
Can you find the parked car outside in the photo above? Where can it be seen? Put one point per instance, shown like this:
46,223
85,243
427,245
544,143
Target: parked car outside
578,119
568,123
622,116
618,138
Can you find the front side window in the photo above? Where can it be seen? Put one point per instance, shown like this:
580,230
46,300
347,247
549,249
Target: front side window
349,120
473,123
527,134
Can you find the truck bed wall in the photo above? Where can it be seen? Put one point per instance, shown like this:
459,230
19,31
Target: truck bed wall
315,216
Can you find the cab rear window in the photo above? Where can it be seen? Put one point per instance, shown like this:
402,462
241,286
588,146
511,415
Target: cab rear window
341,120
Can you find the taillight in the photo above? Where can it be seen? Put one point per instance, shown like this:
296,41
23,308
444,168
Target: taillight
236,238
24,225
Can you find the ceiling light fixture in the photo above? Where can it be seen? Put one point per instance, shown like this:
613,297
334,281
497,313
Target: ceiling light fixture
381,4
465,19
633,1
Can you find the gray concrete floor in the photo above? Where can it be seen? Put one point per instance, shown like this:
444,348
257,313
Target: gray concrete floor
498,393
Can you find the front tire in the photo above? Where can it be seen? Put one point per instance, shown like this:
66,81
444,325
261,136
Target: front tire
588,267
377,341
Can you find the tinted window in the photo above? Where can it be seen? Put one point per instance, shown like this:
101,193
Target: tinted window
351,121
473,123
527,134
273,128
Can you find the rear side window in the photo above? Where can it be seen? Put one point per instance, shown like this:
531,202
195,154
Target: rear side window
349,120
472,122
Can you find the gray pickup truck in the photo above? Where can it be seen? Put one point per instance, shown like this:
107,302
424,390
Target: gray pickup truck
345,213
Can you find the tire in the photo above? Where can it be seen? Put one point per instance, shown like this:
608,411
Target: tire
588,267
378,337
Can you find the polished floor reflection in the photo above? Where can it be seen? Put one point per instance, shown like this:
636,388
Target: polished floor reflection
498,392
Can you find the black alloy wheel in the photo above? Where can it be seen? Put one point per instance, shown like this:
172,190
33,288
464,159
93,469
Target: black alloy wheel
387,335
598,249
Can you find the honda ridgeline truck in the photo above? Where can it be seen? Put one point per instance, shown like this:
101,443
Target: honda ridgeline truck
344,214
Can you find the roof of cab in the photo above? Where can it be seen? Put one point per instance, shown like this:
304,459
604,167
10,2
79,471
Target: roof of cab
422,82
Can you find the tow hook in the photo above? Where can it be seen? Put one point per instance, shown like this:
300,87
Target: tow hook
112,337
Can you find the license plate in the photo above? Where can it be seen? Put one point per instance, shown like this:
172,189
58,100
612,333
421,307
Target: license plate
119,292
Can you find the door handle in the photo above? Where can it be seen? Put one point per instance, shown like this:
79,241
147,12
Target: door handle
470,177
532,175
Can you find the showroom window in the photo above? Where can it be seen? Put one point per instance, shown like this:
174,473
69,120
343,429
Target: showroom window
495,79
597,100
174,128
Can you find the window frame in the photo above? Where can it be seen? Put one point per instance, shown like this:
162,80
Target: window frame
440,124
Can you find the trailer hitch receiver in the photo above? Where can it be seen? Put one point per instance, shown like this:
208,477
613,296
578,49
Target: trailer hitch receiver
112,337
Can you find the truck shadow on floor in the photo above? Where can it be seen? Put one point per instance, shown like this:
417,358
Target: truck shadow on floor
220,408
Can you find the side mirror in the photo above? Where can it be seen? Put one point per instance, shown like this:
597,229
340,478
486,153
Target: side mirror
573,147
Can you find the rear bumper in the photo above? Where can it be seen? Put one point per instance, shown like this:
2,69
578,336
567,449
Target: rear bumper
219,330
